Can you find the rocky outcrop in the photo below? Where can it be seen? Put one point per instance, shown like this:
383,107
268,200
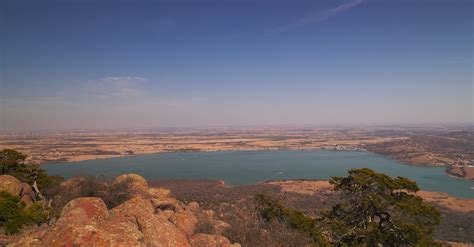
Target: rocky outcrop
156,230
10,185
185,221
150,218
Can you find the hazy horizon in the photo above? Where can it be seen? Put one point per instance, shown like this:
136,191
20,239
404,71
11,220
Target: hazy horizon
160,64
333,126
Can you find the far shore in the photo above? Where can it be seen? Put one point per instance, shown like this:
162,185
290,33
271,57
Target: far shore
411,146
97,157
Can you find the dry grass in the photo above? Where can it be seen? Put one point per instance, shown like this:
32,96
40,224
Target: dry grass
235,205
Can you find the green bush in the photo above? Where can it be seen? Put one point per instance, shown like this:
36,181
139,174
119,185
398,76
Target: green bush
14,215
379,210
270,210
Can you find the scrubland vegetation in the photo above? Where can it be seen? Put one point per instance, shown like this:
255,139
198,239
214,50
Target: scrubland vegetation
237,206
365,209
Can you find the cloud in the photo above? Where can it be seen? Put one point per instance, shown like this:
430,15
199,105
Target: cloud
116,87
317,17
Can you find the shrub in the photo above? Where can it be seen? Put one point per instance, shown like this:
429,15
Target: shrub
272,210
10,212
14,215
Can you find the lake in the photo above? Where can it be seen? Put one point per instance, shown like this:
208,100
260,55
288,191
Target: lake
237,168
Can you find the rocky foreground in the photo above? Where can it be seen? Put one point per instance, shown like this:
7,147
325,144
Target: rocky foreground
200,213
152,217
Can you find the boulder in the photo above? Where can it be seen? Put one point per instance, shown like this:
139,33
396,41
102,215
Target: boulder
86,222
193,206
150,218
135,180
123,231
80,235
84,210
168,235
209,240
157,231
26,191
185,221
78,225
10,184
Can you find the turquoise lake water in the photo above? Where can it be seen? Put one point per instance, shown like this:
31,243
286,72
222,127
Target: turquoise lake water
237,168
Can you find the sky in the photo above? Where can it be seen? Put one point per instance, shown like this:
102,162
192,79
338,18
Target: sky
70,64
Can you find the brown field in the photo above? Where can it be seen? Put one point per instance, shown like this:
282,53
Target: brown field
428,146
68,147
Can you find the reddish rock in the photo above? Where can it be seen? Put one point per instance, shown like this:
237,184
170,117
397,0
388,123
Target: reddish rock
78,225
157,231
193,206
168,235
85,235
150,218
84,210
10,184
209,240
136,181
166,213
27,191
122,231
159,193
185,221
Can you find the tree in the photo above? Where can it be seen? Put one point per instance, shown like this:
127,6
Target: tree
13,163
379,210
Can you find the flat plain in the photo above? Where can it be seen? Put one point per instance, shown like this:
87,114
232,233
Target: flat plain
449,146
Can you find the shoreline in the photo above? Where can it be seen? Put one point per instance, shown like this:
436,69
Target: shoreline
259,150
196,151
465,179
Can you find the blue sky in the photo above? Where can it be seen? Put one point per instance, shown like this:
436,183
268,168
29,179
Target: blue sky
69,64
